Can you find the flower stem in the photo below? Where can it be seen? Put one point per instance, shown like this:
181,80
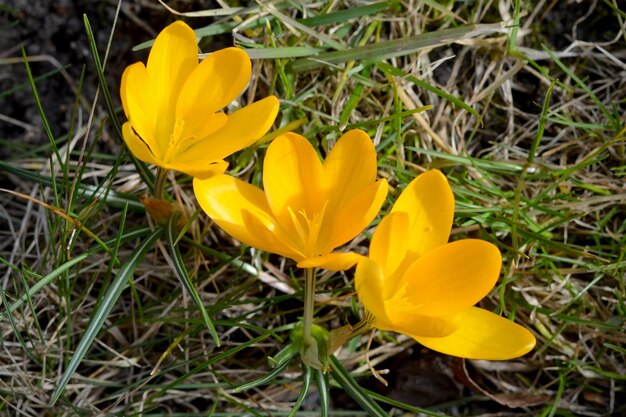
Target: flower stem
309,304
159,184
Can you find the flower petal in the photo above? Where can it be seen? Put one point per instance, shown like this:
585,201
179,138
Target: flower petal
241,210
483,335
336,261
200,169
138,101
243,128
293,182
217,81
345,223
452,277
368,281
417,324
349,168
429,202
389,244
197,127
172,59
136,145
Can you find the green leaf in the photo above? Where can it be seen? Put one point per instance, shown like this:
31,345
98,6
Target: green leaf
104,309
581,84
390,69
325,39
270,376
354,390
342,16
284,355
146,175
396,47
323,390
87,191
404,406
214,359
183,276
281,52
47,279
307,376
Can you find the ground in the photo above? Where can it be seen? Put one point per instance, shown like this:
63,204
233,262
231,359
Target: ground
527,122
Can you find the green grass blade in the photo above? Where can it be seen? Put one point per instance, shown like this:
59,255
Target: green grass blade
183,276
143,171
436,4
206,364
104,309
294,23
404,406
16,332
270,376
323,390
307,376
353,100
512,44
44,119
353,389
43,281
87,191
394,48
340,16
44,76
281,52
31,307
580,83
390,69
345,15
283,356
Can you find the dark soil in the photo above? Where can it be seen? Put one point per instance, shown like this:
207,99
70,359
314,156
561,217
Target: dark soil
52,33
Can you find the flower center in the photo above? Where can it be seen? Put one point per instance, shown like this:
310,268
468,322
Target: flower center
308,227
178,142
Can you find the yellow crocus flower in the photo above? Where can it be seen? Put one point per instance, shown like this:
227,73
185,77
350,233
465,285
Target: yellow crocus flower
416,283
173,105
308,207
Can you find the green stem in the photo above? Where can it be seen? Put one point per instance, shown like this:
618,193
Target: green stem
309,304
159,184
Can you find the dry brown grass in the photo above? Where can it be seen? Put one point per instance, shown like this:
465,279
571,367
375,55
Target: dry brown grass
542,175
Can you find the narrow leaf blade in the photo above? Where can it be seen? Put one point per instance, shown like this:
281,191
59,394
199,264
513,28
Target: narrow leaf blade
183,276
354,390
104,309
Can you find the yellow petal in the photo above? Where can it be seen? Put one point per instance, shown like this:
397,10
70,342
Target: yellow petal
349,168
200,169
293,181
452,277
241,210
349,220
417,324
172,59
243,128
136,145
217,81
337,261
351,164
429,202
197,127
138,102
389,243
482,335
369,282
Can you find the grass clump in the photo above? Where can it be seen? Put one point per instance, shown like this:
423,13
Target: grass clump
520,104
